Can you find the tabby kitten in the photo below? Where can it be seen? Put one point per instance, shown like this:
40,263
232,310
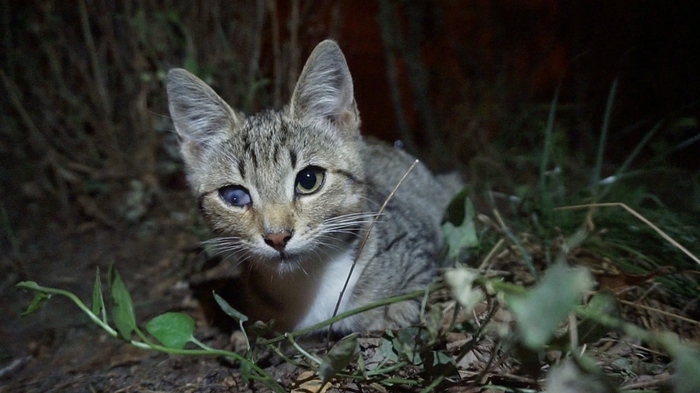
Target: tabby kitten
292,193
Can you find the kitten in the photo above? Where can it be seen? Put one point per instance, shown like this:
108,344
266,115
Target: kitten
292,193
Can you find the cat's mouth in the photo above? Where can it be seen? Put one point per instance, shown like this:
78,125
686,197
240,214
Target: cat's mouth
285,263
287,258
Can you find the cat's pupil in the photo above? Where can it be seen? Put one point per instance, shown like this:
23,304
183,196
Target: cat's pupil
235,195
309,180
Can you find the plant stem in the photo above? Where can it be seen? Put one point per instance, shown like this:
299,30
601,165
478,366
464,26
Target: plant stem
377,304
260,374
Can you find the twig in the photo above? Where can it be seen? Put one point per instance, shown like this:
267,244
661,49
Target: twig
35,135
573,331
640,217
294,51
366,237
302,350
276,53
658,311
14,366
387,27
545,197
487,259
256,44
604,134
359,310
655,381
94,61
523,252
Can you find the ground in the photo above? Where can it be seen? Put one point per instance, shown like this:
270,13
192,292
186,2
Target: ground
159,257
58,349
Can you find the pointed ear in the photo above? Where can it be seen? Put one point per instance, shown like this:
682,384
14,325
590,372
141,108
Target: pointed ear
202,119
324,90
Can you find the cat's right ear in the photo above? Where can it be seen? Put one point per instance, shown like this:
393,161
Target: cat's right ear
325,90
201,118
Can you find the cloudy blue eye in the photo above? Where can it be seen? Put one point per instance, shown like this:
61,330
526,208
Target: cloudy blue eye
309,180
235,195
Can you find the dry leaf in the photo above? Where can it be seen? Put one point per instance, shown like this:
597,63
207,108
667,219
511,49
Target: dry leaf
309,382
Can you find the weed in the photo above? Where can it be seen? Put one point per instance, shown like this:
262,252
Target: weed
547,284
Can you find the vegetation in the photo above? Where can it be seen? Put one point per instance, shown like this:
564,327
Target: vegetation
551,319
568,268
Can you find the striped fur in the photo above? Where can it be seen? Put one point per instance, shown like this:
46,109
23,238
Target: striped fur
299,285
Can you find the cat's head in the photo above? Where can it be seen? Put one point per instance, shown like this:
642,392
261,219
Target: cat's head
278,187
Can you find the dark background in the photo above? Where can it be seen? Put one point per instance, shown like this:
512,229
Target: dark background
90,172
83,108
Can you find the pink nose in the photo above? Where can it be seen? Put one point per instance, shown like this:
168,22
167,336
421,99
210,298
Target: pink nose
278,240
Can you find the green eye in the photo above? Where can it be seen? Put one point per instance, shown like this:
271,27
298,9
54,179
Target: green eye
309,180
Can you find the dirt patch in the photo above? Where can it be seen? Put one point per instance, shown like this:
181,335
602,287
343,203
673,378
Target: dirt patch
163,266
59,349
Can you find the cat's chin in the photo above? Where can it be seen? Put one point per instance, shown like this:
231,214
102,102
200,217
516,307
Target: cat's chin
296,260
282,263
289,259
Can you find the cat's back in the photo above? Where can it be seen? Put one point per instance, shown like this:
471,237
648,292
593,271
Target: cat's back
421,195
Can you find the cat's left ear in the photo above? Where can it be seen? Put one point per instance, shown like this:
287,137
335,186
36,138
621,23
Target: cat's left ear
325,91
202,119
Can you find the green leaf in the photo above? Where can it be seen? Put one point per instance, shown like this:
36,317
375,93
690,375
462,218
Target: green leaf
230,311
28,285
98,302
39,299
459,227
602,303
570,377
342,353
362,367
172,329
235,314
387,349
439,363
687,365
456,211
410,342
123,311
247,372
540,312
433,321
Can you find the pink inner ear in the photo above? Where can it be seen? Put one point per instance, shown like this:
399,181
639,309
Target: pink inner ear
345,118
192,149
348,120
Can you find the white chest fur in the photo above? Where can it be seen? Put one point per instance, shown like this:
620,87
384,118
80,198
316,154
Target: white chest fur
308,296
331,283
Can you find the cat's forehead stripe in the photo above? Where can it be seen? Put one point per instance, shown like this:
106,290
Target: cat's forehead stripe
276,153
241,167
293,158
264,138
348,175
